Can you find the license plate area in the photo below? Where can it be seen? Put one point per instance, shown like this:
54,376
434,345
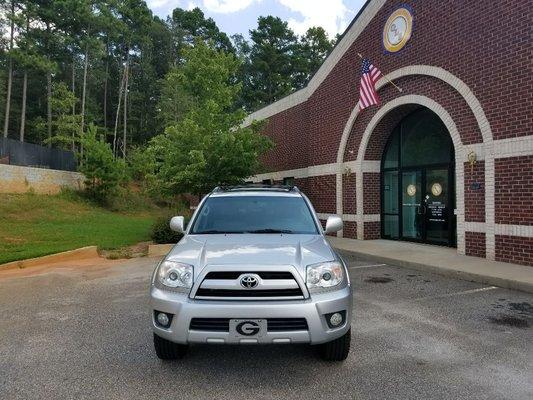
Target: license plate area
247,328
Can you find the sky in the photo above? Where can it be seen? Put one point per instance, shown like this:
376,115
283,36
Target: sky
239,16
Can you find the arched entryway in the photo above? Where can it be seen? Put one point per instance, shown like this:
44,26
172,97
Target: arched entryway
417,181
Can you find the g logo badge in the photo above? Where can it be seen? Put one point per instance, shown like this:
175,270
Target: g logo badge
247,328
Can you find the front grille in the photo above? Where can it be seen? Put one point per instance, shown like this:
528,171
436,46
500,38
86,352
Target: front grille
210,324
236,274
273,324
248,293
287,324
275,285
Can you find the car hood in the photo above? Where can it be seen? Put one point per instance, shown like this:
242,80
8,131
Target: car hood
251,249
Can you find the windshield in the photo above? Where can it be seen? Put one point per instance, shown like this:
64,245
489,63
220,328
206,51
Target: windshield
254,214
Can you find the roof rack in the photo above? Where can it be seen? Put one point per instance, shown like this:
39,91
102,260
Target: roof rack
256,186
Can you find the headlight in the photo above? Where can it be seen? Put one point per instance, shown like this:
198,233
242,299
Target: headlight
324,275
174,274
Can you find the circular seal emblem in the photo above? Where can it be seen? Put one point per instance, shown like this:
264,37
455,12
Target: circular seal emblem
398,29
436,189
411,190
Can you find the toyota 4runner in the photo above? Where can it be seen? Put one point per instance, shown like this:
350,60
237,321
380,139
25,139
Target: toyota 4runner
253,267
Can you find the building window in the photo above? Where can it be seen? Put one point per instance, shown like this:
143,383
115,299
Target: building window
267,182
289,181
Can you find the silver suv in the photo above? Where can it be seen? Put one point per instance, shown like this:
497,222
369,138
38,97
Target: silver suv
253,267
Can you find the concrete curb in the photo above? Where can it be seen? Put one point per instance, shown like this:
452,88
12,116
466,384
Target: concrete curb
159,249
76,254
507,283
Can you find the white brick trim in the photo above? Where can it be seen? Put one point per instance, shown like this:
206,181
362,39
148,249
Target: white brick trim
318,170
514,230
475,227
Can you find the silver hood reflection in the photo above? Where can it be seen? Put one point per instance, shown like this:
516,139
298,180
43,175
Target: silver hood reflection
251,249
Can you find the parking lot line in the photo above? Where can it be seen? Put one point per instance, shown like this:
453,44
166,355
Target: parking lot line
367,266
484,289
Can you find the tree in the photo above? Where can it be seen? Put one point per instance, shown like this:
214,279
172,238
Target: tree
311,51
66,126
27,57
271,62
189,25
103,173
174,101
10,68
209,146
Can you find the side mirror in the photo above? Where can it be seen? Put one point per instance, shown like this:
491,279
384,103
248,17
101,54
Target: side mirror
333,224
177,224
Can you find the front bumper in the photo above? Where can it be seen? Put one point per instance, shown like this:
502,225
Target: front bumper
313,310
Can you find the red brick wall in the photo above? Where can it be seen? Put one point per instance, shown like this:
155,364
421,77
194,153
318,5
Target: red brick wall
475,244
350,230
514,190
475,197
289,132
371,199
514,249
372,230
321,191
348,194
496,70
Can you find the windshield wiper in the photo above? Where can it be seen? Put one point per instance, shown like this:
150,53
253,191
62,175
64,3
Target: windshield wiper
268,230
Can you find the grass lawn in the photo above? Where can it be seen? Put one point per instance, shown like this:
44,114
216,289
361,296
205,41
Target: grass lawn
34,225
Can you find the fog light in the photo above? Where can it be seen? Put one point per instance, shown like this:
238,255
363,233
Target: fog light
335,319
163,319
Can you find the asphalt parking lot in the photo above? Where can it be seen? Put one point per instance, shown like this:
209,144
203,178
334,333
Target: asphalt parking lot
84,333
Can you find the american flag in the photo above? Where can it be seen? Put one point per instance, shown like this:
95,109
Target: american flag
367,93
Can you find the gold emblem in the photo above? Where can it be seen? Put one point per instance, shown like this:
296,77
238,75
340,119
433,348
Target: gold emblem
398,29
436,189
411,190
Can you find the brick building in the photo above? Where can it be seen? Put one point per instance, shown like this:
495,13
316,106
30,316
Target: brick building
446,161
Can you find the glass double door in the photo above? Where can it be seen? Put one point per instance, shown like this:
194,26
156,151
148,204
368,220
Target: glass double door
426,206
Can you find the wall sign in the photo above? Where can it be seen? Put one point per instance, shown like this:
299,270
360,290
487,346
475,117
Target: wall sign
436,189
411,190
398,29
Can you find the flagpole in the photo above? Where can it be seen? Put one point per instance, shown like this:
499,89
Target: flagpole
384,76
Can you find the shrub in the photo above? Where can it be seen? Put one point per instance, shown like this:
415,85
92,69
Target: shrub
161,232
103,173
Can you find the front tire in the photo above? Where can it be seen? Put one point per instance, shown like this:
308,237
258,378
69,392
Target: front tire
167,350
338,349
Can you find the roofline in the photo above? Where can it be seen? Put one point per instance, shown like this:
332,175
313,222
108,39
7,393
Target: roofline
351,33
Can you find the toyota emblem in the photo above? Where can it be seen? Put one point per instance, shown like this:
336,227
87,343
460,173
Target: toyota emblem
249,281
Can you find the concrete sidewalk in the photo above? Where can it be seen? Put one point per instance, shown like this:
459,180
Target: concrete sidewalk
440,260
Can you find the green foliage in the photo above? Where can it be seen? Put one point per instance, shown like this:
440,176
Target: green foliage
65,125
103,173
175,101
161,232
271,61
94,39
312,49
190,25
208,147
